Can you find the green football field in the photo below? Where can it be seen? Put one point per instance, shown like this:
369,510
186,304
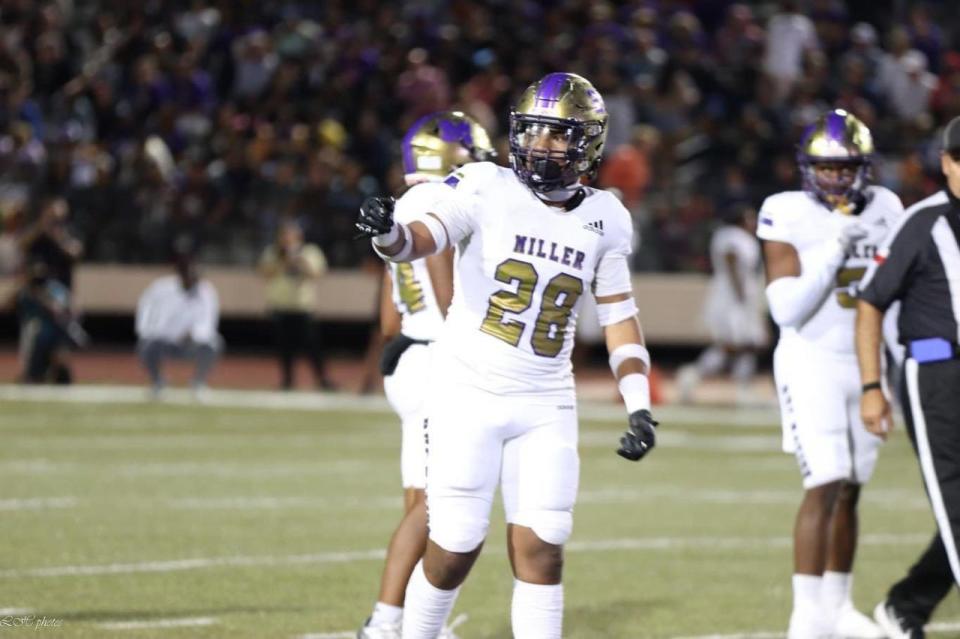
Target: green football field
176,520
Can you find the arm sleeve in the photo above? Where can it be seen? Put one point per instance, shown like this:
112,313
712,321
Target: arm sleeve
613,269
792,300
205,329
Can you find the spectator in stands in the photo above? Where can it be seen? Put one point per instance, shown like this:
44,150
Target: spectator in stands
291,268
790,34
177,317
48,328
49,241
291,84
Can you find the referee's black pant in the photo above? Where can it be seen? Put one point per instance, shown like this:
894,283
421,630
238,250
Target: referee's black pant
930,395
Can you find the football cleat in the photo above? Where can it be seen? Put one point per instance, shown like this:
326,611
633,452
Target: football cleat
853,624
447,631
807,624
380,631
894,624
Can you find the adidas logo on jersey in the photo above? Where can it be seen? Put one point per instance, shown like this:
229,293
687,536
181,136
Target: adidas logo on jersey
596,226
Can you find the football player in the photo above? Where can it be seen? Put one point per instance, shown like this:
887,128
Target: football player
530,242
733,312
817,243
414,302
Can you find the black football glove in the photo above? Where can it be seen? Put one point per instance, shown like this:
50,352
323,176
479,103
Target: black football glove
640,438
376,217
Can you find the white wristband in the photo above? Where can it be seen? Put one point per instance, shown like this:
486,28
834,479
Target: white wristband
635,390
403,254
629,351
389,238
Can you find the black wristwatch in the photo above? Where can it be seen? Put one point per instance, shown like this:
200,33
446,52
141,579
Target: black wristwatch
871,386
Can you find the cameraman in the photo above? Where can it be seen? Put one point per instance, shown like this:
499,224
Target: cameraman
291,268
47,328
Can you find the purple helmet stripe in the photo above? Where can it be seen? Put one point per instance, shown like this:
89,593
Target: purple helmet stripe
409,166
550,88
455,132
836,126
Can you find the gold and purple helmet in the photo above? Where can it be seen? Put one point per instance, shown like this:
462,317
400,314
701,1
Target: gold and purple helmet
563,104
438,143
837,138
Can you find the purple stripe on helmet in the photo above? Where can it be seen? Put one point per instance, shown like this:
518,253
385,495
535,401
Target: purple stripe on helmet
835,126
550,88
409,165
456,132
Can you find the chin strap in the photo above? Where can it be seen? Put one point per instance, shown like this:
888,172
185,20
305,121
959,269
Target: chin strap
575,201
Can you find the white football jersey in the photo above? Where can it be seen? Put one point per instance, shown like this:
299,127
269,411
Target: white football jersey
797,218
736,240
521,270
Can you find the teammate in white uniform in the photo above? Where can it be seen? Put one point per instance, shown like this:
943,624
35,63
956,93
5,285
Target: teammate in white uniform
530,243
817,245
414,302
734,312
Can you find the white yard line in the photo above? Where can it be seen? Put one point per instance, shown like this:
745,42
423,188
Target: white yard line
15,611
184,622
759,417
639,543
882,498
38,503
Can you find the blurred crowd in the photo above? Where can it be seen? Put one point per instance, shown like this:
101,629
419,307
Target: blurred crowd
218,120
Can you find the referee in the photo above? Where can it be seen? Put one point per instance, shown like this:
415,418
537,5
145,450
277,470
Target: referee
919,264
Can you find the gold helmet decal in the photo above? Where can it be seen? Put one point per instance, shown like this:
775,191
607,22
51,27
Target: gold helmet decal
565,107
438,143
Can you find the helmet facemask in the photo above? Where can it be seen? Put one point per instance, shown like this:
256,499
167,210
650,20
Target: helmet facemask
550,153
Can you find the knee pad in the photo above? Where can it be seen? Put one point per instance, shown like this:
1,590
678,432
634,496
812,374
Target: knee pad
551,526
455,529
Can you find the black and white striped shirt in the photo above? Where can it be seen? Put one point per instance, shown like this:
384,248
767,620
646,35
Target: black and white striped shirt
919,264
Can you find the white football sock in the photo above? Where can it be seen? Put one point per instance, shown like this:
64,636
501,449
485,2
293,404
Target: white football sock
835,592
385,613
806,592
537,610
426,607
